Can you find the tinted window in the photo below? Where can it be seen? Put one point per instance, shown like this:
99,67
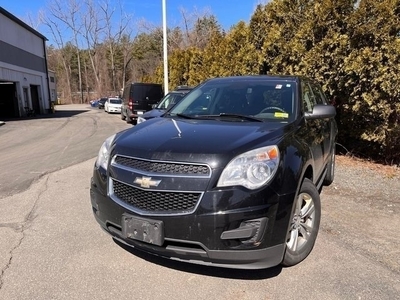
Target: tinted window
169,100
153,92
319,95
308,97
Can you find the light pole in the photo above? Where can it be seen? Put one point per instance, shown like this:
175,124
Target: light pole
164,15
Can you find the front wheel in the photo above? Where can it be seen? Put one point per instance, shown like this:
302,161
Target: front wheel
304,226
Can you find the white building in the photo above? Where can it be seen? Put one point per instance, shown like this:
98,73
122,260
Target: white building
52,86
24,79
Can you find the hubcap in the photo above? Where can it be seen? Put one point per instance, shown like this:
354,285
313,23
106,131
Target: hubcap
302,223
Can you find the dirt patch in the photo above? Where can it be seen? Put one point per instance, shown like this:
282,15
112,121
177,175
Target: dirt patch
385,170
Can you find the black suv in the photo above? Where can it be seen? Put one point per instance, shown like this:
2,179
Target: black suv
139,97
230,176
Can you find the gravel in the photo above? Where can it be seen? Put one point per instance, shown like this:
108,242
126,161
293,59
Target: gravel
362,209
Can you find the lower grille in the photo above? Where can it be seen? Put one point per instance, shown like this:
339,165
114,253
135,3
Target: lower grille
156,202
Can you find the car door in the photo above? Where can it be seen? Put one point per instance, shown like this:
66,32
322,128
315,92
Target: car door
325,124
314,128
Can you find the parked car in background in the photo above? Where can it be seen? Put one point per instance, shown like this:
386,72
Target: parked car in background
166,103
138,98
101,102
184,88
113,105
230,176
94,102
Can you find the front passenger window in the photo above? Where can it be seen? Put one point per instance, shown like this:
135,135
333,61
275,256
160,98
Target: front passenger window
319,95
308,97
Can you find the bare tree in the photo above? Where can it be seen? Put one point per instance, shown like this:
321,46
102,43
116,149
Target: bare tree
57,32
69,16
198,26
92,30
114,36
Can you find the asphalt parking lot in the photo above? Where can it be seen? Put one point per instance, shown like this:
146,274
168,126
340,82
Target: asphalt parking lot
52,248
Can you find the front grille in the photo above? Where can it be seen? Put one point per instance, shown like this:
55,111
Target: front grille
156,202
163,167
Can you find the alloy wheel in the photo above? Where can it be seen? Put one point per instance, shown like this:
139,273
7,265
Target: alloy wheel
303,222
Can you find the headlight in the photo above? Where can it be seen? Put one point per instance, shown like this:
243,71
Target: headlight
252,169
140,120
104,153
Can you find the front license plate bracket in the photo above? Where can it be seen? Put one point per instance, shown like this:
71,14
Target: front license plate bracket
144,230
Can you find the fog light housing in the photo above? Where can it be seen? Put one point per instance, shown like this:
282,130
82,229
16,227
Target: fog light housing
250,232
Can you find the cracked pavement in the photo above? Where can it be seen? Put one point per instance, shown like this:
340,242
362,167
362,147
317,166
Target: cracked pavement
18,227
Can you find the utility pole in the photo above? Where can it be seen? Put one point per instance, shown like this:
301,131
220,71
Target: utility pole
164,15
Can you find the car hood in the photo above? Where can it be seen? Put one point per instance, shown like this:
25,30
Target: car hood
154,113
205,141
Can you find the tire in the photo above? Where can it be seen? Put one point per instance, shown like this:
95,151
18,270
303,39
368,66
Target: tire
304,224
330,169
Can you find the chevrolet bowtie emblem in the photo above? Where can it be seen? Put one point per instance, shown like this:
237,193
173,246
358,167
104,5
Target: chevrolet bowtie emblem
146,182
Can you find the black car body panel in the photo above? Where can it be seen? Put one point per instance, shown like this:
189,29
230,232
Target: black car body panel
166,103
164,176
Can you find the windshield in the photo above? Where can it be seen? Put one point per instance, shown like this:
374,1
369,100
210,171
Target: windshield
169,100
263,99
115,101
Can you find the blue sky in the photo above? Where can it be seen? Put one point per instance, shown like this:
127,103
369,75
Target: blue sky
227,12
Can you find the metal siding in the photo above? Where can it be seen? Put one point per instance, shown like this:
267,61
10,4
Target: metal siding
14,34
18,57
22,58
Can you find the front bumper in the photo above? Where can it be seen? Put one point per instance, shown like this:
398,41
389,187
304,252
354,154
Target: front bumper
114,109
134,115
232,228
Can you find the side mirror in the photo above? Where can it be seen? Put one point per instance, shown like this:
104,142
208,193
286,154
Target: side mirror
321,111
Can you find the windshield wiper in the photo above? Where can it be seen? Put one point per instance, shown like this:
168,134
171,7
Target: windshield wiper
184,116
225,115
239,116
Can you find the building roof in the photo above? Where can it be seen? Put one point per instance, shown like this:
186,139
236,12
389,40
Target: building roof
21,23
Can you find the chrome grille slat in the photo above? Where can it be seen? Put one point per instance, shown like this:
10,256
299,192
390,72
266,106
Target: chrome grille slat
163,167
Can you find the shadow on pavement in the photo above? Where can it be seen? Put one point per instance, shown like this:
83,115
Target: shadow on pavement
56,115
204,270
